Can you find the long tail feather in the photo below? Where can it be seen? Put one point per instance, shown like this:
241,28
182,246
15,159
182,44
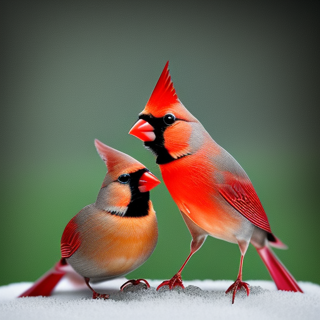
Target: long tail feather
280,275
45,285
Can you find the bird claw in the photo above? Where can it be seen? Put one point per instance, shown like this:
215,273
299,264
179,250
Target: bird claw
238,285
134,282
97,295
175,281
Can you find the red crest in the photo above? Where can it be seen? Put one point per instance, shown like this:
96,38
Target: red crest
164,99
164,93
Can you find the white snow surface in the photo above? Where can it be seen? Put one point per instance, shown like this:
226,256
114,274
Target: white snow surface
200,300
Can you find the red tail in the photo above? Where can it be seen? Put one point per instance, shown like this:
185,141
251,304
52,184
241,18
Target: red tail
280,275
45,285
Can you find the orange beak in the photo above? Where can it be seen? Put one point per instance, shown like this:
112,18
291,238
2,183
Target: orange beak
147,182
143,130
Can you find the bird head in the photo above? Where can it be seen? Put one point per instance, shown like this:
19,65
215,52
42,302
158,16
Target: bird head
126,184
165,126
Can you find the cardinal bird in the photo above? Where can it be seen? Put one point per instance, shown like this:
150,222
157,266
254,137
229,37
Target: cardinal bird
113,236
213,193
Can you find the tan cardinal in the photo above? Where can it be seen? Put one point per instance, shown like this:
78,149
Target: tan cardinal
113,236
213,193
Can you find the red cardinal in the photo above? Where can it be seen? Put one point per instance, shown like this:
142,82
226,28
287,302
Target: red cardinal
212,191
113,236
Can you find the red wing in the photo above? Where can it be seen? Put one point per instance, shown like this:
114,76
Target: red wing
70,241
242,196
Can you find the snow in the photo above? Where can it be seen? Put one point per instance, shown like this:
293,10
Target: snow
200,300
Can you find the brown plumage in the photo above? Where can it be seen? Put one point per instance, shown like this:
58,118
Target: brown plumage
113,236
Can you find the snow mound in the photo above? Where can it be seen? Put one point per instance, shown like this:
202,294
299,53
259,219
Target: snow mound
201,299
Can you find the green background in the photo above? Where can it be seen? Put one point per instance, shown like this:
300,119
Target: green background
73,71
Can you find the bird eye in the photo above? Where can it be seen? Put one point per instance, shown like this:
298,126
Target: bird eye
169,118
124,178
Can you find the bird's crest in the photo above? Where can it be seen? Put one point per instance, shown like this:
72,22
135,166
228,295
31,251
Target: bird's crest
116,161
164,99
164,93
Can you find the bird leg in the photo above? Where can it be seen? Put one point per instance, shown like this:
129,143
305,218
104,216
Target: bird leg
198,237
96,295
238,284
135,282
176,280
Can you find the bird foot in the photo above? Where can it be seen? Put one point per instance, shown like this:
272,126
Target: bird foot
238,285
175,281
134,282
97,295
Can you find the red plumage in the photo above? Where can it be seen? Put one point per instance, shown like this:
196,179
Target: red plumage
243,197
212,191
164,93
70,241
45,285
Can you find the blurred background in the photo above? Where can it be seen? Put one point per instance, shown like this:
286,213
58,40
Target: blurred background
73,71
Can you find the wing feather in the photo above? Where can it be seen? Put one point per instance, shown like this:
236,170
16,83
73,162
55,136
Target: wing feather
242,196
70,241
